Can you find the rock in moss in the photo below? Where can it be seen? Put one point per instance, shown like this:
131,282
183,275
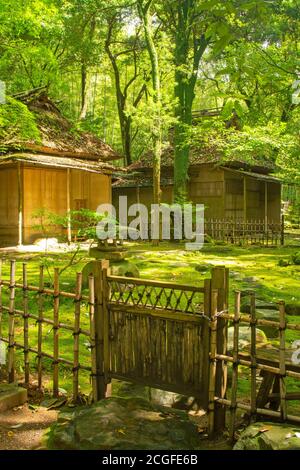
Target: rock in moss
245,337
124,424
269,436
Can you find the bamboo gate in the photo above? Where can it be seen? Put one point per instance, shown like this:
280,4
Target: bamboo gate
160,334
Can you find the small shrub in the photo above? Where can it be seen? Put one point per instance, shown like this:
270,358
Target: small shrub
296,258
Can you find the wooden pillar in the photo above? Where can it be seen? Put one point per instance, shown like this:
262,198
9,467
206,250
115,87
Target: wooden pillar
245,199
20,205
266,206
69,228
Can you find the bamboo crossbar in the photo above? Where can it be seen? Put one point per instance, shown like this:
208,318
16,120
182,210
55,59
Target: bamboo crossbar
260,411
45,291
161,284
47,321
60,360
259,321
259,366
157,312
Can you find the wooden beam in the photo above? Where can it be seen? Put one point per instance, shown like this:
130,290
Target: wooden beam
69,229
20,205
266,206
245,199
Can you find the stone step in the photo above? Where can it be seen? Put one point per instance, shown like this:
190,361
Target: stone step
11,396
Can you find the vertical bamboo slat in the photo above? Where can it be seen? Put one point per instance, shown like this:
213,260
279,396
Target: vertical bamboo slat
282,367
56,334
213,362
76,334
235,364
11,326
40,327
253,353
93,336
25,316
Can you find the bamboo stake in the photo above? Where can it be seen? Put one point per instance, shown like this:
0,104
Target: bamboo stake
235,363
40,326
25,317
11,326
76,335
213,363
93,336
56,334
282,367
253,353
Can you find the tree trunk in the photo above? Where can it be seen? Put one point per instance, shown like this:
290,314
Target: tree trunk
84,102
144,11
185,82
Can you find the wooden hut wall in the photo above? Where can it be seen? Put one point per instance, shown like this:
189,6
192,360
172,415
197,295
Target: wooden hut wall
43,188
274,202
48,188
8,206
89,190
207,187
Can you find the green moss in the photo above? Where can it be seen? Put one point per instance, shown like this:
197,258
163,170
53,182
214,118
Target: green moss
17,124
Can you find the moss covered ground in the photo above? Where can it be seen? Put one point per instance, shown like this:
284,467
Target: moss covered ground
169,262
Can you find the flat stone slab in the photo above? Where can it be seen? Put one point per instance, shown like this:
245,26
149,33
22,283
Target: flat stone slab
124,424
11,395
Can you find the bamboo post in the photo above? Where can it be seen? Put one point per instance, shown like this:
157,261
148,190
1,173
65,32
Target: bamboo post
93,337
11,326
99,327
76,335
220,281
25,316
253,353
212,363
56,334
282,367
106,335
205,340
40,326
235,364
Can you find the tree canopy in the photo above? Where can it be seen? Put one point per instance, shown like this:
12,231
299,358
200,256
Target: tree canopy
204,73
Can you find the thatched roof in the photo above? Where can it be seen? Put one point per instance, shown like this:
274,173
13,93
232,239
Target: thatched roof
56,135
57,162
204,155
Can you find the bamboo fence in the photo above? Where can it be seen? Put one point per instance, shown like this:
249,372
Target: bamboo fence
275,365
249,232
57,326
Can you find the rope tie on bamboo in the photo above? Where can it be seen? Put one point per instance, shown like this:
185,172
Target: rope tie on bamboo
77,368
55,363
77,333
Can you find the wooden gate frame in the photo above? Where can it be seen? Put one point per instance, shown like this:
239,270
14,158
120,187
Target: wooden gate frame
215,300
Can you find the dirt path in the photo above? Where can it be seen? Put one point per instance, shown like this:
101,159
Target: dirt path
23,428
